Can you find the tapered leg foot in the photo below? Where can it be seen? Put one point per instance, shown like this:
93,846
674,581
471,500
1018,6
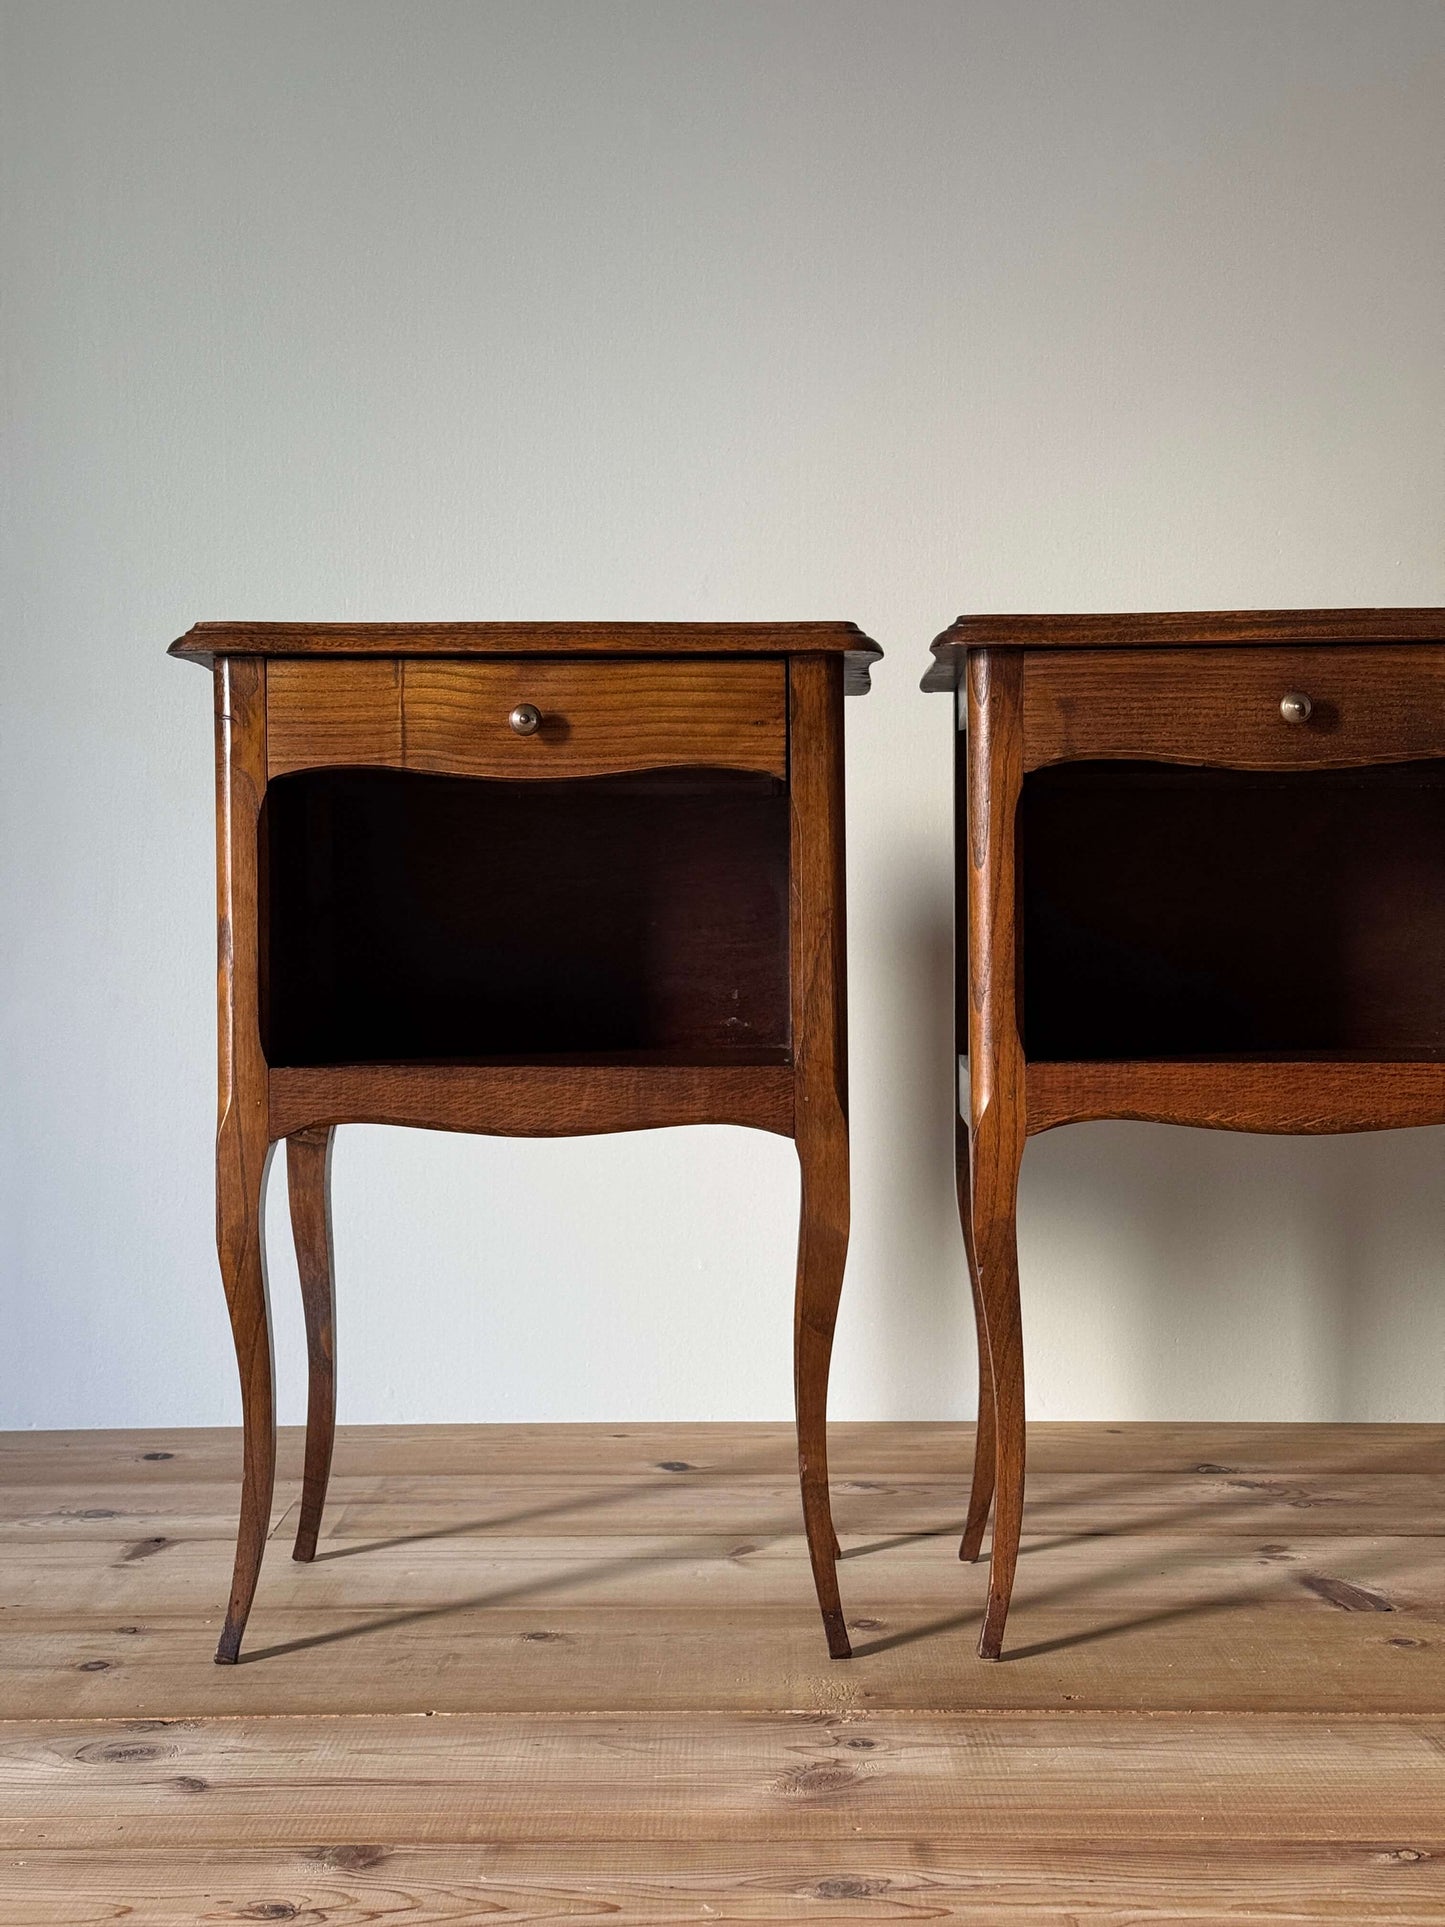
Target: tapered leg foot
228,1649
240,1196
1008,1521
822,1254
308,1182
995,1199
980,1491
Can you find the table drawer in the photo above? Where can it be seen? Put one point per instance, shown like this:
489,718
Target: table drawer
1291,708
460,718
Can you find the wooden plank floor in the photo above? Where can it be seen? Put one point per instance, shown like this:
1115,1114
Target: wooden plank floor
576,1672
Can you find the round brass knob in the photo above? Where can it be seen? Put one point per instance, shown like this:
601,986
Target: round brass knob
1296,707
526,719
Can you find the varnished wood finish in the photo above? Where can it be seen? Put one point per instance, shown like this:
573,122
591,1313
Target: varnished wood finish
242,1142
597,717
1305,1099
1185,909
632,918
985,1438
821,1092
423,918
1222,708
308,1181
997,1125
1176,629
325,714
209,640
512,1685
533,1100
985,1443
1185,913
452,717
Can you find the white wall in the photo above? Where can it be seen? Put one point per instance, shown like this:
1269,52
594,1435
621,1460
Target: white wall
880,309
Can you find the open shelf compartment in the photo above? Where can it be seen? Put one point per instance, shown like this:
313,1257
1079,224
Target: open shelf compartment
416,919
1187,914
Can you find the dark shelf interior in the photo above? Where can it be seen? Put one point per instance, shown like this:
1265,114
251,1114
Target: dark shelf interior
1184,913
432,919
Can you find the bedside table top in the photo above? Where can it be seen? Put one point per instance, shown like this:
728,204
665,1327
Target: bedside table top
207,640
1181,629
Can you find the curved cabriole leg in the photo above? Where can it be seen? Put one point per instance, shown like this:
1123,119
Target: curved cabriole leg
308,1182
980,1491
820,1068
993,769
240,1238
822,1253
243,1147
995,1201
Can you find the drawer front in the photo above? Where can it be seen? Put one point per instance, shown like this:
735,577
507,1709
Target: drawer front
457,718
1292,708
333,713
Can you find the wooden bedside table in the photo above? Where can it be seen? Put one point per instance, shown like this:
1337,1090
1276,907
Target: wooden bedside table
533,879
1201,880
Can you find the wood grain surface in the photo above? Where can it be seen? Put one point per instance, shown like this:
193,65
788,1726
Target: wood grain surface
535,1100
450,718
574,1671
818,952
1175,629
1201,861
684,967
1312,1099
206,641
997,1107
624,1568
243,1149
438,920
324,714
1181,914
985,1443
308,1185
1221,707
